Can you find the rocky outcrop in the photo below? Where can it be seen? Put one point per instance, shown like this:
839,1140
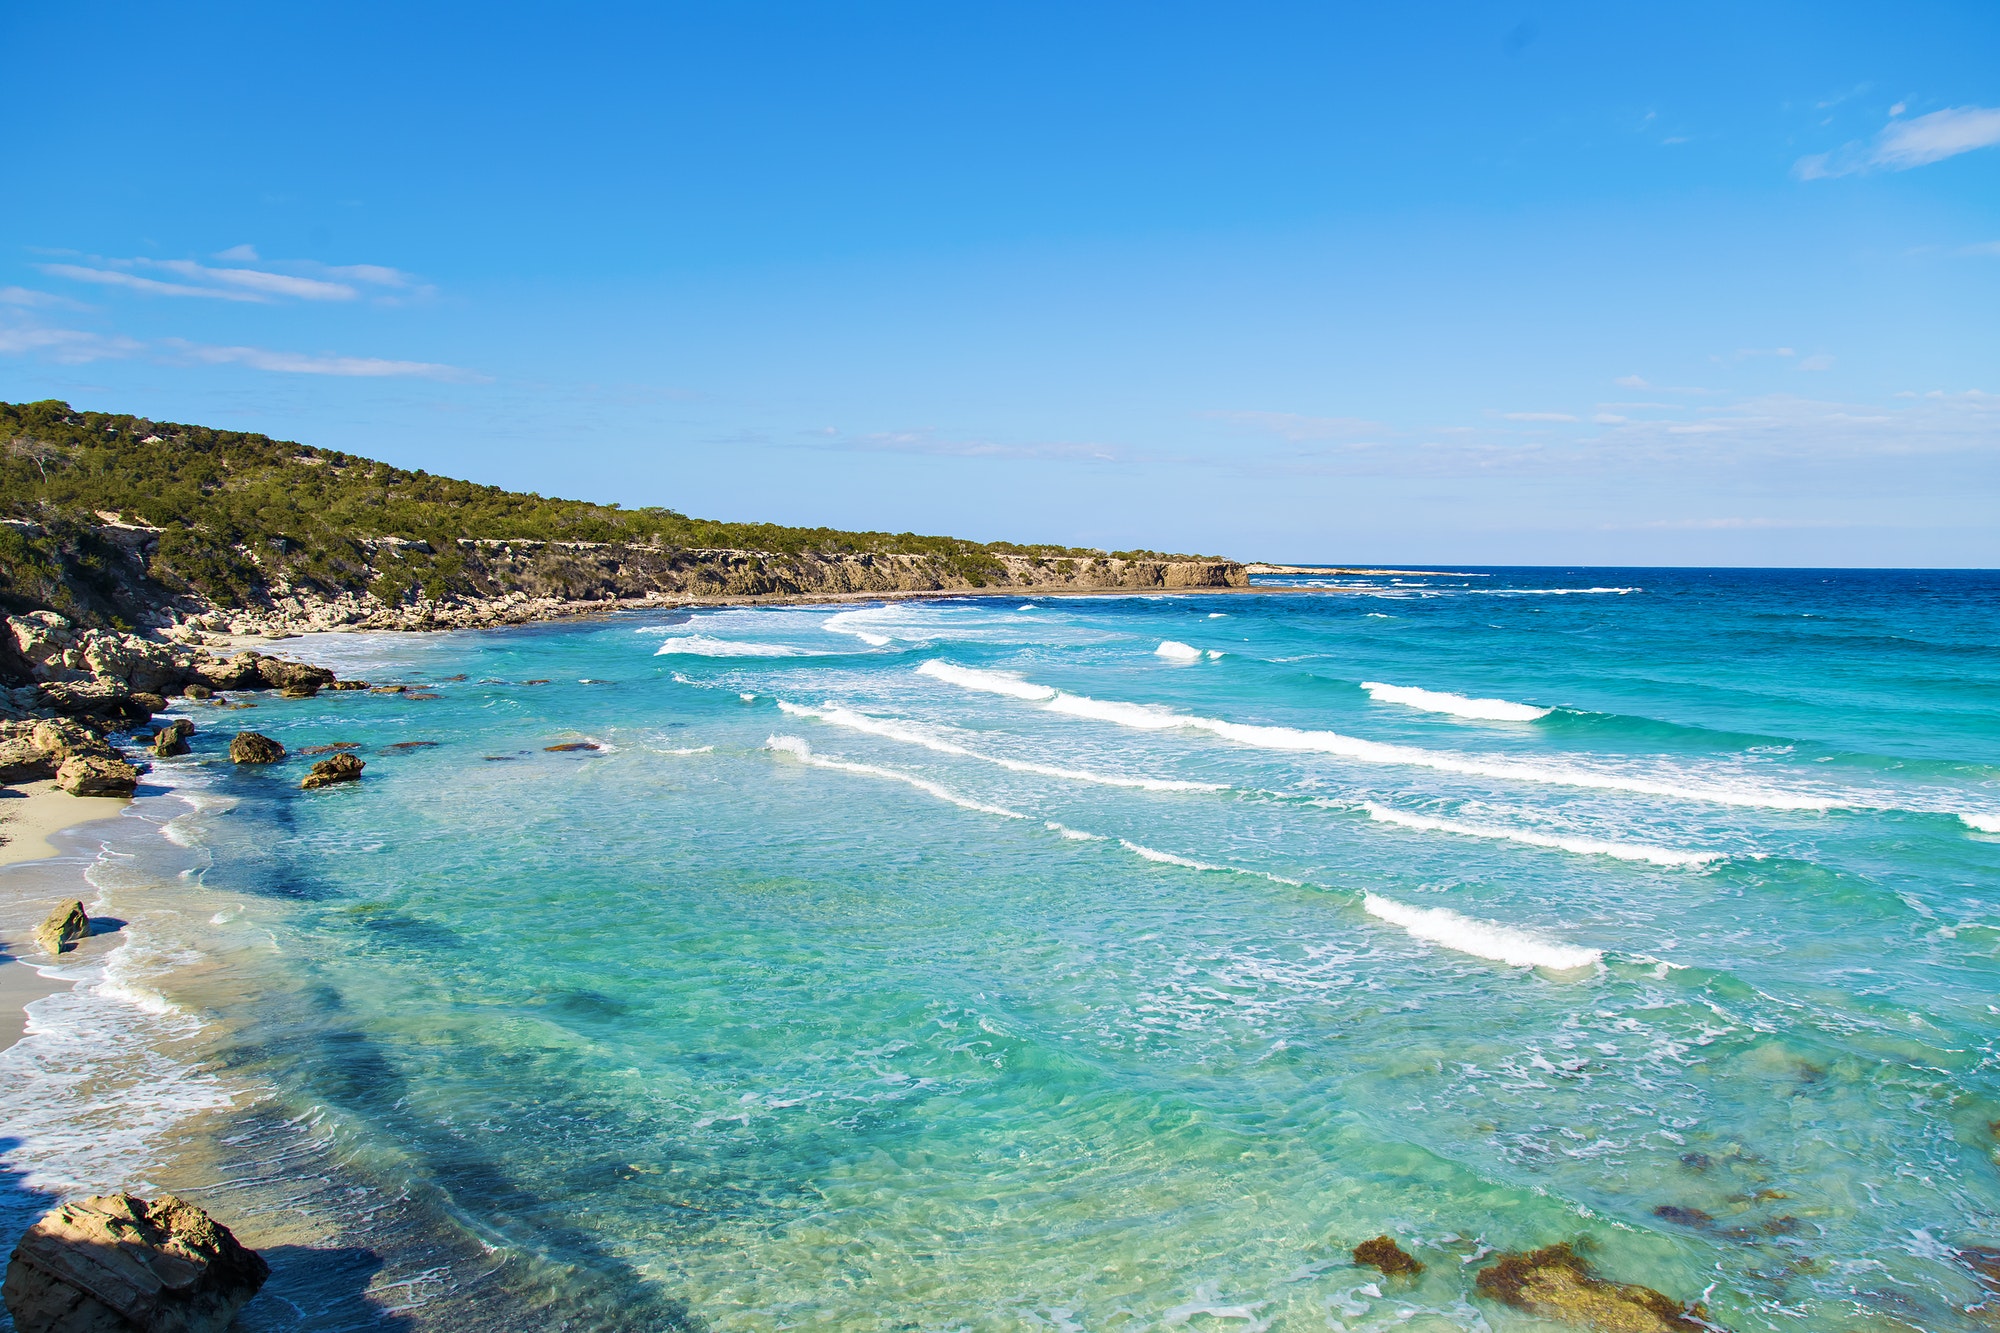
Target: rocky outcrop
117,1264
1385,1254
250,747
94,775
171,739
343,767
64,927
1556,1283
32,750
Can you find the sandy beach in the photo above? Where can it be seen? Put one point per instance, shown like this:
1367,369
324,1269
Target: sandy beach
29,815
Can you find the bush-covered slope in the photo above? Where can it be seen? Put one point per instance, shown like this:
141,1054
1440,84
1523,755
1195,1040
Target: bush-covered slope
239,514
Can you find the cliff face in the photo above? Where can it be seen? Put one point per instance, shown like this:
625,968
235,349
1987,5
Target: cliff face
102,575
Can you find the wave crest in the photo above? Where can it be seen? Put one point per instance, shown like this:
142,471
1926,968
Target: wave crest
1457,705
1481,939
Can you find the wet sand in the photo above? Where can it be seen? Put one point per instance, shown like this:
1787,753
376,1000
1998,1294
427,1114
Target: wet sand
29,815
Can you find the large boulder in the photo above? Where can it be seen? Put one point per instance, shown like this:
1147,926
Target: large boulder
294,678
105,699
342,767
21,760
235,673
1556,1283
250,747
64,927
117,1264
171,739
65,738
94,775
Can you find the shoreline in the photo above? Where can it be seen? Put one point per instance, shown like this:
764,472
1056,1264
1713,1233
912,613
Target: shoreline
31,813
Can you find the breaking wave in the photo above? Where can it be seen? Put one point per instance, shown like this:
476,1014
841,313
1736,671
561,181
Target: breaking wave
891,729
1481,939
1984,823
701,645
1151,717
1457,705
802,752
1175,651
1623,851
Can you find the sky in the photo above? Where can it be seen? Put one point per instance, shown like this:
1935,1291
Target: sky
1604,283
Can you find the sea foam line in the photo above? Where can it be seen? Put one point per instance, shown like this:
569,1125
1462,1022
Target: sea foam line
702,645
843,623
1482,939
1983,823
1150,717
802,752
1623,851
1457,705
835,715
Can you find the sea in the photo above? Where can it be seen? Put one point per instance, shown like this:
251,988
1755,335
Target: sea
1073,963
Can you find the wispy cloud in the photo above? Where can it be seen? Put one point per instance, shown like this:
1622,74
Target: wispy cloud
68,346
269,281
1903,144
23,296
300,363
1297,426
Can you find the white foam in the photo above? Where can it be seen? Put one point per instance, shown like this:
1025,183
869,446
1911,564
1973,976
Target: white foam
1481,939
1659,856
1984,823
1218,615
747,697
1175,651
1073,834
992,682
1169,858
1027,606
692,749
846,622
1151,717
1214,653
798,749
701,645
1458,705
892,729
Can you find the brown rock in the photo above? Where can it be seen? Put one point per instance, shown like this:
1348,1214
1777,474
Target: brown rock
1384,1253
250,747
334,748
237,673
300,691
410,745
567,746
65,926
343,767
94,775
171,739
1555,1283
389,689
289,676
198,692
348,685
117,1264
66,738
21,760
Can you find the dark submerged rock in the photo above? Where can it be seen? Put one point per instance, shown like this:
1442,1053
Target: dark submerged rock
1556,1283
568,746
117,1264
1384,1253
249,747
334,748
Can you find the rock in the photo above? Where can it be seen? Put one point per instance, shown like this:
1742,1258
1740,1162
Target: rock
117,1264
343,767
91,698
299,691
288,676
334,748
152,703
421,694
1384,1253
389,689
172,739
65,738
249,747
567,746
94,775
21,760
236,673
198,692
1555,1283
410,745
348,685
65,926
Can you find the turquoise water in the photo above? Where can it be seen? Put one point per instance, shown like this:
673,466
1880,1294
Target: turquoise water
986,964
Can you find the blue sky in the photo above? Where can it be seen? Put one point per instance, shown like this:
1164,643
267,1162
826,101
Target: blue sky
1524,283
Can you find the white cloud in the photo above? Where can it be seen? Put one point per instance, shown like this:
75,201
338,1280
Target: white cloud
291,279
300,363
1296,426
1903,144
1821,361
69,346
1536,416
23,296
133,282
1631,382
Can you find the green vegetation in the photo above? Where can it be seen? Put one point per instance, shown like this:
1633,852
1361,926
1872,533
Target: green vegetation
238,511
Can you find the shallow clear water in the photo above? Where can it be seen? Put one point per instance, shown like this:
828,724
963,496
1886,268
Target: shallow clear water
1072,983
